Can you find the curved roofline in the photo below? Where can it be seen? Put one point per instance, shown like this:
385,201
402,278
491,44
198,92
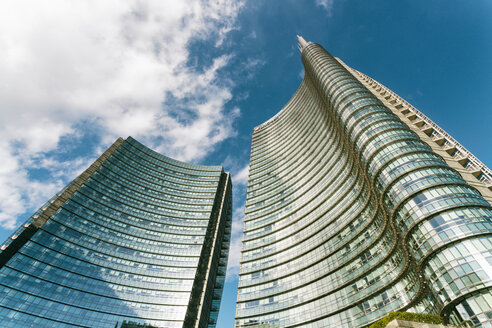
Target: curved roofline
176,162
272,119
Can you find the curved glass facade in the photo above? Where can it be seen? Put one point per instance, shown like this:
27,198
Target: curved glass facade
138,240
350,215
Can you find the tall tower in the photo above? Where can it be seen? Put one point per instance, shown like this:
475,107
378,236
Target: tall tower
358,205
137,240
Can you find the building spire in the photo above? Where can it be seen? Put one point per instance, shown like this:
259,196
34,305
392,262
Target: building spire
302,43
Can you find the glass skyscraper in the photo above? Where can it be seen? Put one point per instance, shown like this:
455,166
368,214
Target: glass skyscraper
137,240
359,205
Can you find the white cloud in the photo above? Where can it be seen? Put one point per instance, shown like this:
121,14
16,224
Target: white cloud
236,242
327,5
301,74
120,67
241,177
17,189
234,259
239,171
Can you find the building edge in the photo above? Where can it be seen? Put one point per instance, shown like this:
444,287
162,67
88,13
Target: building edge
215,249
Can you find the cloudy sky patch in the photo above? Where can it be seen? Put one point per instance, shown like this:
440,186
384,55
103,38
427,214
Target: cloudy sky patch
120,67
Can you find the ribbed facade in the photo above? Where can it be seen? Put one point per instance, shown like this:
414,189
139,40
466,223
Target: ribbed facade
350,214
137,240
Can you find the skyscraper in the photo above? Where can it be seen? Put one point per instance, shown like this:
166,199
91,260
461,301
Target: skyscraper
359,205
137,240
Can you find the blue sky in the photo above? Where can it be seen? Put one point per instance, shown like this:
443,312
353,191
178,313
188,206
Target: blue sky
191,79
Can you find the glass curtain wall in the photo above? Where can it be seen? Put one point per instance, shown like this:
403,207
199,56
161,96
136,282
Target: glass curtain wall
350,216
121,246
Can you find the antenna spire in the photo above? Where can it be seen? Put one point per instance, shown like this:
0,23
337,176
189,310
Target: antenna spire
302,43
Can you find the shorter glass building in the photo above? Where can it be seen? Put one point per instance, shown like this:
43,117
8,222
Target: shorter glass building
137,240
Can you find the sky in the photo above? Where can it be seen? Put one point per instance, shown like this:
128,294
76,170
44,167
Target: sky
191,79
